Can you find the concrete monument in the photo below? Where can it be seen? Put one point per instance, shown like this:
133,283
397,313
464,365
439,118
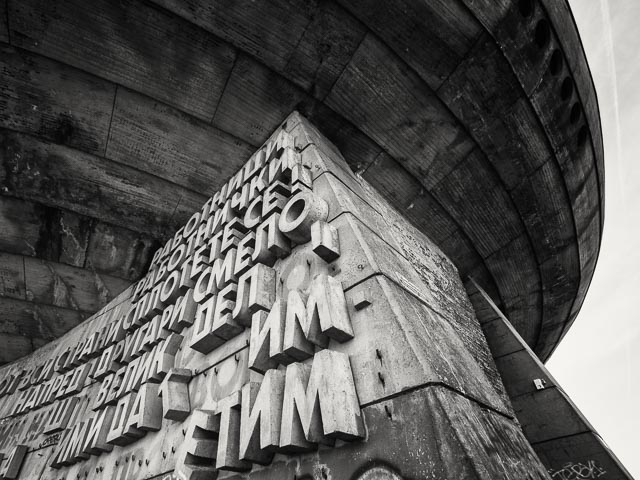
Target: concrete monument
297,326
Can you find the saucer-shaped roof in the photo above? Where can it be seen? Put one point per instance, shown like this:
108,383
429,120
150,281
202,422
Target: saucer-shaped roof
477,119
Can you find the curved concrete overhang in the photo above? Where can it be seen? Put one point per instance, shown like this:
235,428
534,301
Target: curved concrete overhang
477,119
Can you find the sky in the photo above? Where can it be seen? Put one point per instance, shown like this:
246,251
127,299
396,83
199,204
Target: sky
598,361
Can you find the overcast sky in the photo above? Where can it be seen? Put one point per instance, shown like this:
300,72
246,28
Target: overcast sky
598,362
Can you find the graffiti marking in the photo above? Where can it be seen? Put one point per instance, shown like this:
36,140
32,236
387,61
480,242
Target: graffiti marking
577,471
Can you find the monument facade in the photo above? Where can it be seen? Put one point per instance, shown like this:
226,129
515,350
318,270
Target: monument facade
297,326
196,282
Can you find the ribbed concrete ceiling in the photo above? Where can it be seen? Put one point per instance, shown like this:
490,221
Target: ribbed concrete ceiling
477,119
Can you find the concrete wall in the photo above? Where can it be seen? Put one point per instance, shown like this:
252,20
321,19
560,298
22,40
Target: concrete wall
340,343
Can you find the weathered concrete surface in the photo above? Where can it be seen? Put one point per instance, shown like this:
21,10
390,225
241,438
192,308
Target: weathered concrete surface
414,357
478,120
563,438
